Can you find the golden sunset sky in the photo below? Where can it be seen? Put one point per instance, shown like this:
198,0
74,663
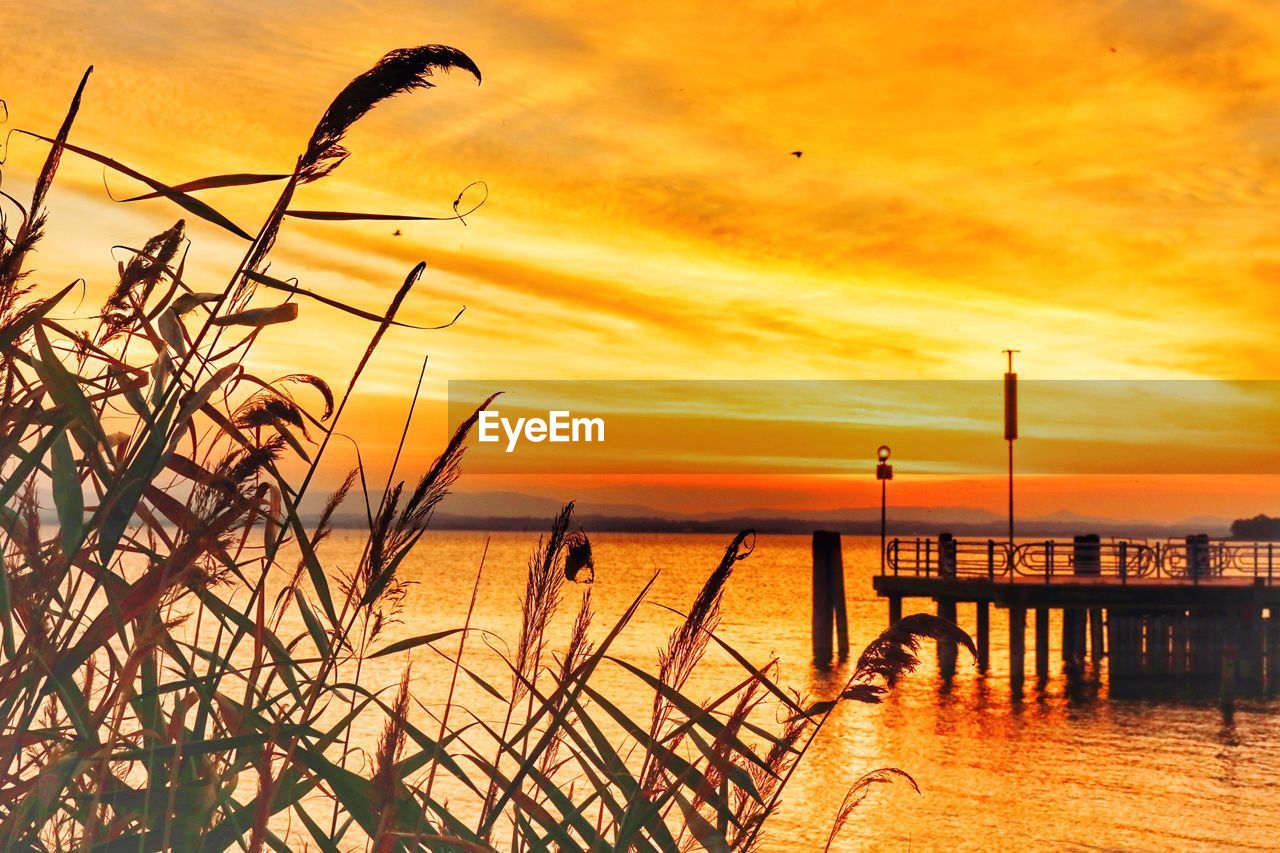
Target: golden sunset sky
1096,184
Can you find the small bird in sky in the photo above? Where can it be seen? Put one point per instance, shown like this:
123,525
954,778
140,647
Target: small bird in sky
397,234
797,154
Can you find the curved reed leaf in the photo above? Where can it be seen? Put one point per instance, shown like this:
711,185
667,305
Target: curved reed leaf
67,497
188,203
214,182
354,216
27,318
259,317
277,284
413,642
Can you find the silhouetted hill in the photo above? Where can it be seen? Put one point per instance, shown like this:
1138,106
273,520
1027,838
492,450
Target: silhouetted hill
514,511
1259,528
492,511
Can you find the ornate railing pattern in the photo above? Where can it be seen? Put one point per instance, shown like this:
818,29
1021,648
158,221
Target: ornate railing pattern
1192,560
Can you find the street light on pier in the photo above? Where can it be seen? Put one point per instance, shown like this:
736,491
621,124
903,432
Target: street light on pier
884,473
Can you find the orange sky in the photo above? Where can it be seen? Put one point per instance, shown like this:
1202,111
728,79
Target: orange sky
1094,184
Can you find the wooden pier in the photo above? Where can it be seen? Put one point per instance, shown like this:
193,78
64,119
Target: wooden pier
1190,616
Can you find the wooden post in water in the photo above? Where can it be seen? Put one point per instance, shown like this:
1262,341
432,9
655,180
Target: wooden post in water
947,651
1113,660
822,611
895,610
1042,642
1070,616
1096,650
1080,636
1251,635
1124,644
837,600
1017,646
984,635
1124,649
828,596
1159,643
1230,659
1065,648
1205,654
1273,650
1179,652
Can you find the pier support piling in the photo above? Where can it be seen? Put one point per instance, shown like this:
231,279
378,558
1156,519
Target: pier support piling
1178,645
1042,642
947,650
1073,639
1251,636
895,610
1067,634
983,630
1096,649
1230,663
1115,661
1273,650
1017,647
1159,644
1079,635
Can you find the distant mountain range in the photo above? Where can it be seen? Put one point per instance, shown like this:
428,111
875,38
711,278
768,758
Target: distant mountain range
498,510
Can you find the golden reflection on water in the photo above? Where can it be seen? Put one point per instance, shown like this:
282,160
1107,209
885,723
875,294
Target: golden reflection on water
1061,767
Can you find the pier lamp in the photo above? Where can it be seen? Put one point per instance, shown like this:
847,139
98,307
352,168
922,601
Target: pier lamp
884,473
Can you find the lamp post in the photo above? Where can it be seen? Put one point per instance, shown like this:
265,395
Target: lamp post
884,473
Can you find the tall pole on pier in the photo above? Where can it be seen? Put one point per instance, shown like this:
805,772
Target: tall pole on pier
1010,428
884,473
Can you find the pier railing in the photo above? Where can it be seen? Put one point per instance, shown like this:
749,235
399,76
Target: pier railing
962,558
1193,560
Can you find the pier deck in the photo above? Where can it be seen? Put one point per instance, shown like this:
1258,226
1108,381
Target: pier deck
1174,613
1067,590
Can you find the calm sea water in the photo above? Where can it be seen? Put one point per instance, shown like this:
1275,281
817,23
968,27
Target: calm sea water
1056,769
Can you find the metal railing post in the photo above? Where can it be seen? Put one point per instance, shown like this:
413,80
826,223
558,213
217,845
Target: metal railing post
1124,562
991,559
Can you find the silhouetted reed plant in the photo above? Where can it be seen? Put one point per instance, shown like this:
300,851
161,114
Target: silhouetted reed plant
155,696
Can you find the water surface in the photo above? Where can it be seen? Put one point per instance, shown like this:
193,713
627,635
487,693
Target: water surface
1059,768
